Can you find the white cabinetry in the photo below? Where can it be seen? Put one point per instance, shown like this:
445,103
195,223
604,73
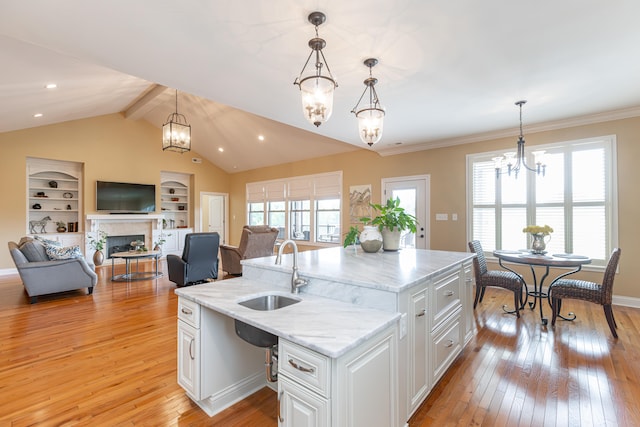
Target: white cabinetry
189,347
358,388
54,193
419,378
174,195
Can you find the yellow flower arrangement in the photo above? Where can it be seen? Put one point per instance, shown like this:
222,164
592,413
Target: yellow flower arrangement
545,230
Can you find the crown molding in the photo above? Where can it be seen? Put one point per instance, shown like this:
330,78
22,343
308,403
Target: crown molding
505,133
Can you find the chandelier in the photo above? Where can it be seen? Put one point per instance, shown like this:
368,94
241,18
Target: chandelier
371,115
176,132
316,89
516,160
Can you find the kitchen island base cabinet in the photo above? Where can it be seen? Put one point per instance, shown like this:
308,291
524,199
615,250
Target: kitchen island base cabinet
359,388
215,367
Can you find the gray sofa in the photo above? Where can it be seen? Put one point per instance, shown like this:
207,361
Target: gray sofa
40,275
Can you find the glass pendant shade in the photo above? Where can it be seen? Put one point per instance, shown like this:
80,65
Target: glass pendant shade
316,89
370,123
317,98
370,116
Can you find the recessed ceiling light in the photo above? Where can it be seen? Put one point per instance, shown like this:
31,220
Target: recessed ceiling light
51,86
221,150
261,137
38,115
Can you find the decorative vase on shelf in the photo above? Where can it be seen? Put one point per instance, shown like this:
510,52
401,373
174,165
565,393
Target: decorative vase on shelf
370,239
98,257
539,245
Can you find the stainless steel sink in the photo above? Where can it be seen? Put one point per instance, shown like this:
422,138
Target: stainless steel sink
254,335
269,302
257,336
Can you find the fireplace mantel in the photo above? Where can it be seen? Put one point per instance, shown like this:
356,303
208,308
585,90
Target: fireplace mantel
149,225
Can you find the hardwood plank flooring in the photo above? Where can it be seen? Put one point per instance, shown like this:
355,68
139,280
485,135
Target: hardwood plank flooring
110,359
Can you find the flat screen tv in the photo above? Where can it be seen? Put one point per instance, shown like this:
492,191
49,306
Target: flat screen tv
122,197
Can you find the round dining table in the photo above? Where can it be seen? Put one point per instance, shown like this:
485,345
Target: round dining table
566,261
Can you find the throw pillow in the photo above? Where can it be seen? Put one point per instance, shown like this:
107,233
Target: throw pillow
70,252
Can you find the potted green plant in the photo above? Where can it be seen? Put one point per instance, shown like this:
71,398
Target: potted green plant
351,238
62,226
392,220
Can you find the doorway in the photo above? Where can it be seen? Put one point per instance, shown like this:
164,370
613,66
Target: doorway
413,192
215,209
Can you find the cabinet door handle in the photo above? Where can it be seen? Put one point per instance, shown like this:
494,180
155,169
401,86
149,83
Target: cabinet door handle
448,293
280,419
300,368
422,312
186,311
449,344
468,280
191,348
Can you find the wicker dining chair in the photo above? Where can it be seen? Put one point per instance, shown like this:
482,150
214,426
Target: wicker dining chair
588,291
498,278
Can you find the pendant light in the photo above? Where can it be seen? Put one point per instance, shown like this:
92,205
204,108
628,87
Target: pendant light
370,116
515,160
176,132
316,88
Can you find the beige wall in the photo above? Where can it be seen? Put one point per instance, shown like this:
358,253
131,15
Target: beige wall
446,167
111,148
115,148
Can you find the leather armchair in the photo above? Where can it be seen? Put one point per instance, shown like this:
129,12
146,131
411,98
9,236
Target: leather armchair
41,276
256,241
199,260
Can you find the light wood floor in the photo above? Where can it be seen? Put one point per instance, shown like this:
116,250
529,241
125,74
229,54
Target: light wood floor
110,359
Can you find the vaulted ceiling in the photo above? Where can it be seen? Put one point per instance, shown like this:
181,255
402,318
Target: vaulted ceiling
449,71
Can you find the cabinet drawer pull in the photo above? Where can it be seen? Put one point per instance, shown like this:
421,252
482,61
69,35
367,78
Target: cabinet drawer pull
422,312
300,368
186,311
448,293
191,348
449,344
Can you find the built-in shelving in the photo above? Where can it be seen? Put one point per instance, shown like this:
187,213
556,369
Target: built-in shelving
174,195
54,195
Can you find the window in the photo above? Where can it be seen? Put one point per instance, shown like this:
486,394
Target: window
328,220
300,219
304,208
276,216
577,198
256,213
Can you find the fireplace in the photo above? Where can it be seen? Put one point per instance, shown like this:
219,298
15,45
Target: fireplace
121,243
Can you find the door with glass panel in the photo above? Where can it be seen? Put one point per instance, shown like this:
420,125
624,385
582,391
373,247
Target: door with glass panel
413,192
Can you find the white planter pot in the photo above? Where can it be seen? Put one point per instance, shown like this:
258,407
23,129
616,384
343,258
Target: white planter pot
391,239
370,239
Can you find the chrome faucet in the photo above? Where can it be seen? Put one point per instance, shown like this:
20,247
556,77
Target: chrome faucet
296,282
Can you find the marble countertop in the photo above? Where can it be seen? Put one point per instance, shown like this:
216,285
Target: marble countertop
389,271
324,325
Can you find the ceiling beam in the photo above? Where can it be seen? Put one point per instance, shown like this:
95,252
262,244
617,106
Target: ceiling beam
146,102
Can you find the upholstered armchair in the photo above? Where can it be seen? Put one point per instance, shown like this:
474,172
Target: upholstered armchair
41,275
199,260
256,241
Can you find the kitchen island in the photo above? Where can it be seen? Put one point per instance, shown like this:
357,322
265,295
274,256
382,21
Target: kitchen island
365,344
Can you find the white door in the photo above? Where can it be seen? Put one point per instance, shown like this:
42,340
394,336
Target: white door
413,192
214,214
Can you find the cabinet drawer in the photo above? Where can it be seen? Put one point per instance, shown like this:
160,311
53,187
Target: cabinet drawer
447,344
189,312
307,367
446,298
